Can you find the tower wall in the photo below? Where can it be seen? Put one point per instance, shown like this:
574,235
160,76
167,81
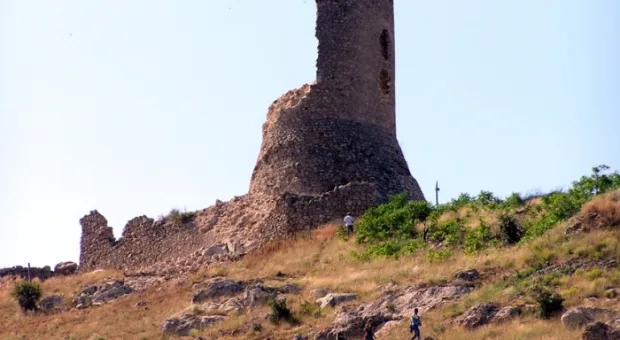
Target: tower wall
342,129
355,63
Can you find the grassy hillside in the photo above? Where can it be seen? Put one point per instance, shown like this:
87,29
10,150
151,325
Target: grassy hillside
559,242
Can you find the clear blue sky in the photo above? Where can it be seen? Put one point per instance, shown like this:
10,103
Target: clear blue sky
137,107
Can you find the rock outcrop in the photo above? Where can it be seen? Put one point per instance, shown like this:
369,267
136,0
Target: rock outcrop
334,299
581,316
53,303
600,331
484,313
66,268
394,304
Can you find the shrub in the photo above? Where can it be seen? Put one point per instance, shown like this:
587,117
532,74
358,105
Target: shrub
395,219
509,229
279,311
27,295
477,239
310,309
180,217
487,199
514,200
461,201
438,255
549,302
257,327
450,233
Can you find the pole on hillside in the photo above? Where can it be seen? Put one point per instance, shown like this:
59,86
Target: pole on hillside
29,278
437,193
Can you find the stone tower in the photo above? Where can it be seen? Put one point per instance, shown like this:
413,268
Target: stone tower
342,128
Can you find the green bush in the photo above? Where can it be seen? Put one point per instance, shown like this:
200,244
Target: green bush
395,219
509,229
27,295
177,216
280,312
461,201
514,200
477,239
310,309
451,233
549,302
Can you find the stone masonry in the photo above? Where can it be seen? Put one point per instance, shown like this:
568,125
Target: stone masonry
328,148
341,129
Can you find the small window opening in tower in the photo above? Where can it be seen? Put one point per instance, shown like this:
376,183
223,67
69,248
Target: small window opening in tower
384,40
385,83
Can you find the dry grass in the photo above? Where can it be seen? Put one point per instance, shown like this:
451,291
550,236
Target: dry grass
321,259
606,208
117,320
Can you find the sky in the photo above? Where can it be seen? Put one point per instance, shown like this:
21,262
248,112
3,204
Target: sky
138,107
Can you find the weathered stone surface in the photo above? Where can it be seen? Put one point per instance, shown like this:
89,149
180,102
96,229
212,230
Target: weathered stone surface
506,314
52,303
570,266
478,315
581,316
319,293
101,293
143,283
185,323
216,287
350,322
334,299
215,250
468,275
600,331
66,268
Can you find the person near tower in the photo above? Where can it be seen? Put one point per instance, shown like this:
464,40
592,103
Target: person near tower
348,222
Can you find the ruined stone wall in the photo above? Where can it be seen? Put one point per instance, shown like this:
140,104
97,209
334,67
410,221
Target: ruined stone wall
328,148
143,242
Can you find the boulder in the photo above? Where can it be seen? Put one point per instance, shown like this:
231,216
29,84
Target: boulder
334,299
66,268
581,316
82,301
600,331
101,293
478,315
506,314
216,287
110,291
217,249
290,288
468,275
182,325
318,293
52,303
258,296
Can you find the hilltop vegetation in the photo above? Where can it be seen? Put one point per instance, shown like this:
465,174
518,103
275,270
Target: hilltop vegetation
539,254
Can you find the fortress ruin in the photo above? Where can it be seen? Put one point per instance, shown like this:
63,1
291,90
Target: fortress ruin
328,148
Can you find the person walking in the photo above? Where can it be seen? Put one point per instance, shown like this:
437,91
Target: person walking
348,222
368,334
415,324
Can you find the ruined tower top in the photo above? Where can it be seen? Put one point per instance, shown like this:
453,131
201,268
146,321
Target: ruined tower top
356,59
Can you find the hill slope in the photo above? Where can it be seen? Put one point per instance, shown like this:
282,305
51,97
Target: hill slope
477,268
